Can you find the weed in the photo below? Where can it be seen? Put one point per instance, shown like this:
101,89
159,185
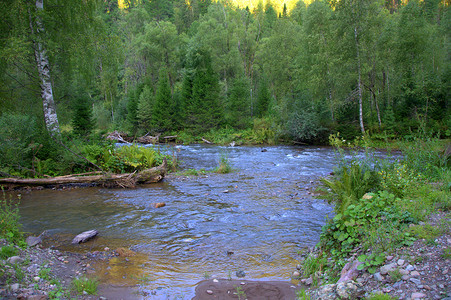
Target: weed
45,273
302,295
313,264
88,285
206,275
229,275
7,251
380,296
395,275
20,275
240,293
446,253
426,232
224,165
10,228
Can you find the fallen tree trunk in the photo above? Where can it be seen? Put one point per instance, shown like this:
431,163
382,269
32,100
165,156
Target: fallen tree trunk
109,180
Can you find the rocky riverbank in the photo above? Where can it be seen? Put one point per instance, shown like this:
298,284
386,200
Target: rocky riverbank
420,271
35,273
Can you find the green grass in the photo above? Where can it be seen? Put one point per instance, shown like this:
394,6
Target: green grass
380,296
7,251
88,285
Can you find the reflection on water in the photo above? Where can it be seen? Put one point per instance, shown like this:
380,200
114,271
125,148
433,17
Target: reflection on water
254,219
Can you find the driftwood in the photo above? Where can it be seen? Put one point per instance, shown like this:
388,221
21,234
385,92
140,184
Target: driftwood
110,180
117,136
170,138
206,141
84,236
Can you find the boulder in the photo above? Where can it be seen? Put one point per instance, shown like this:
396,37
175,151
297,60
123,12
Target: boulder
350,271
84,236
33,240
344,290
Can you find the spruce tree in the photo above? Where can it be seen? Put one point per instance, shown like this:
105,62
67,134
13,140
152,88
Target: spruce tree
82,121
163,107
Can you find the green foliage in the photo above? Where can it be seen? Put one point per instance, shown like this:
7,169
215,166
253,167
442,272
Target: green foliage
123,159
380,296
83,284
313,264
82,121
426,232
224,165
10,228
374,223
7,251
304,125
446,253
45,273
17,147
302,295
351,182
397,178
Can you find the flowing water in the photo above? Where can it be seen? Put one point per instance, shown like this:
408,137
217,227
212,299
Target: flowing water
254,219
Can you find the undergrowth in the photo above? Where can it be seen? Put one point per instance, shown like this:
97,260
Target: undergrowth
378,200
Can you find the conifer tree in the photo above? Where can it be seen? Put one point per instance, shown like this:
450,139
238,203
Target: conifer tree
163,107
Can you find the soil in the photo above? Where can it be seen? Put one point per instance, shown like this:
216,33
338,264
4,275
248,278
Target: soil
225,289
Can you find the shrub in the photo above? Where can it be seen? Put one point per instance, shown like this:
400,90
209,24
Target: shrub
224,165
10,228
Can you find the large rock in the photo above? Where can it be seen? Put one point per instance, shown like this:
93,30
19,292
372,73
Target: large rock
33,240
388,268
15,260
344,290
350,271
84,236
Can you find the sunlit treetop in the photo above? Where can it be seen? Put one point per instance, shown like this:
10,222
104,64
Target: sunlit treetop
251,4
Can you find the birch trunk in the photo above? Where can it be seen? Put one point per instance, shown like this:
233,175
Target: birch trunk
362,127
42,61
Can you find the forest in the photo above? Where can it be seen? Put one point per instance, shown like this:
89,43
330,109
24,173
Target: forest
73,70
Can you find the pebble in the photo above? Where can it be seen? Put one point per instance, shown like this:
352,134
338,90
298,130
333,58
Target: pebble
36,278
415,274
15,287
209,292
387,268
416,281
401,262
410,268
405,277
417,295
403,272
240,274
215,280
378,276
15,260
296,274
389,257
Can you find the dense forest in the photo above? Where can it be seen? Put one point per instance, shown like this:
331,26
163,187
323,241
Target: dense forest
70,68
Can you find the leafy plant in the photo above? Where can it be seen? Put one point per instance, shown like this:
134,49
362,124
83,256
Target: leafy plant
45,273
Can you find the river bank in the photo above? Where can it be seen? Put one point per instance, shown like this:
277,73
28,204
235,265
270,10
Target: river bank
419,271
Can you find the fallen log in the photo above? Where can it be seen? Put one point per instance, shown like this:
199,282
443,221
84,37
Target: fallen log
128,180
206,141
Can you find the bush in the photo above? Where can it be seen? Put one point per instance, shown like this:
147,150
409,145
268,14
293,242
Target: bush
10,228
374,223
16,142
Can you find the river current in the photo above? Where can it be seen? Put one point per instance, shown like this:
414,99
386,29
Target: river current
255,219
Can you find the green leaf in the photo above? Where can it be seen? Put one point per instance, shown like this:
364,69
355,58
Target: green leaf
361,267
362,258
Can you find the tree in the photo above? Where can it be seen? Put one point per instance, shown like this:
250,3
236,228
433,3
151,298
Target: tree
201,93
83,121
163,108
238,103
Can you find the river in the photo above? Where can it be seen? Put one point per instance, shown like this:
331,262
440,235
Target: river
255,219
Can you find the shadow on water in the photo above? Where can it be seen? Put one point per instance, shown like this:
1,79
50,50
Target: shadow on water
254,219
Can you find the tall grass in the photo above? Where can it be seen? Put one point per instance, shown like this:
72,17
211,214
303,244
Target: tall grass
10,228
